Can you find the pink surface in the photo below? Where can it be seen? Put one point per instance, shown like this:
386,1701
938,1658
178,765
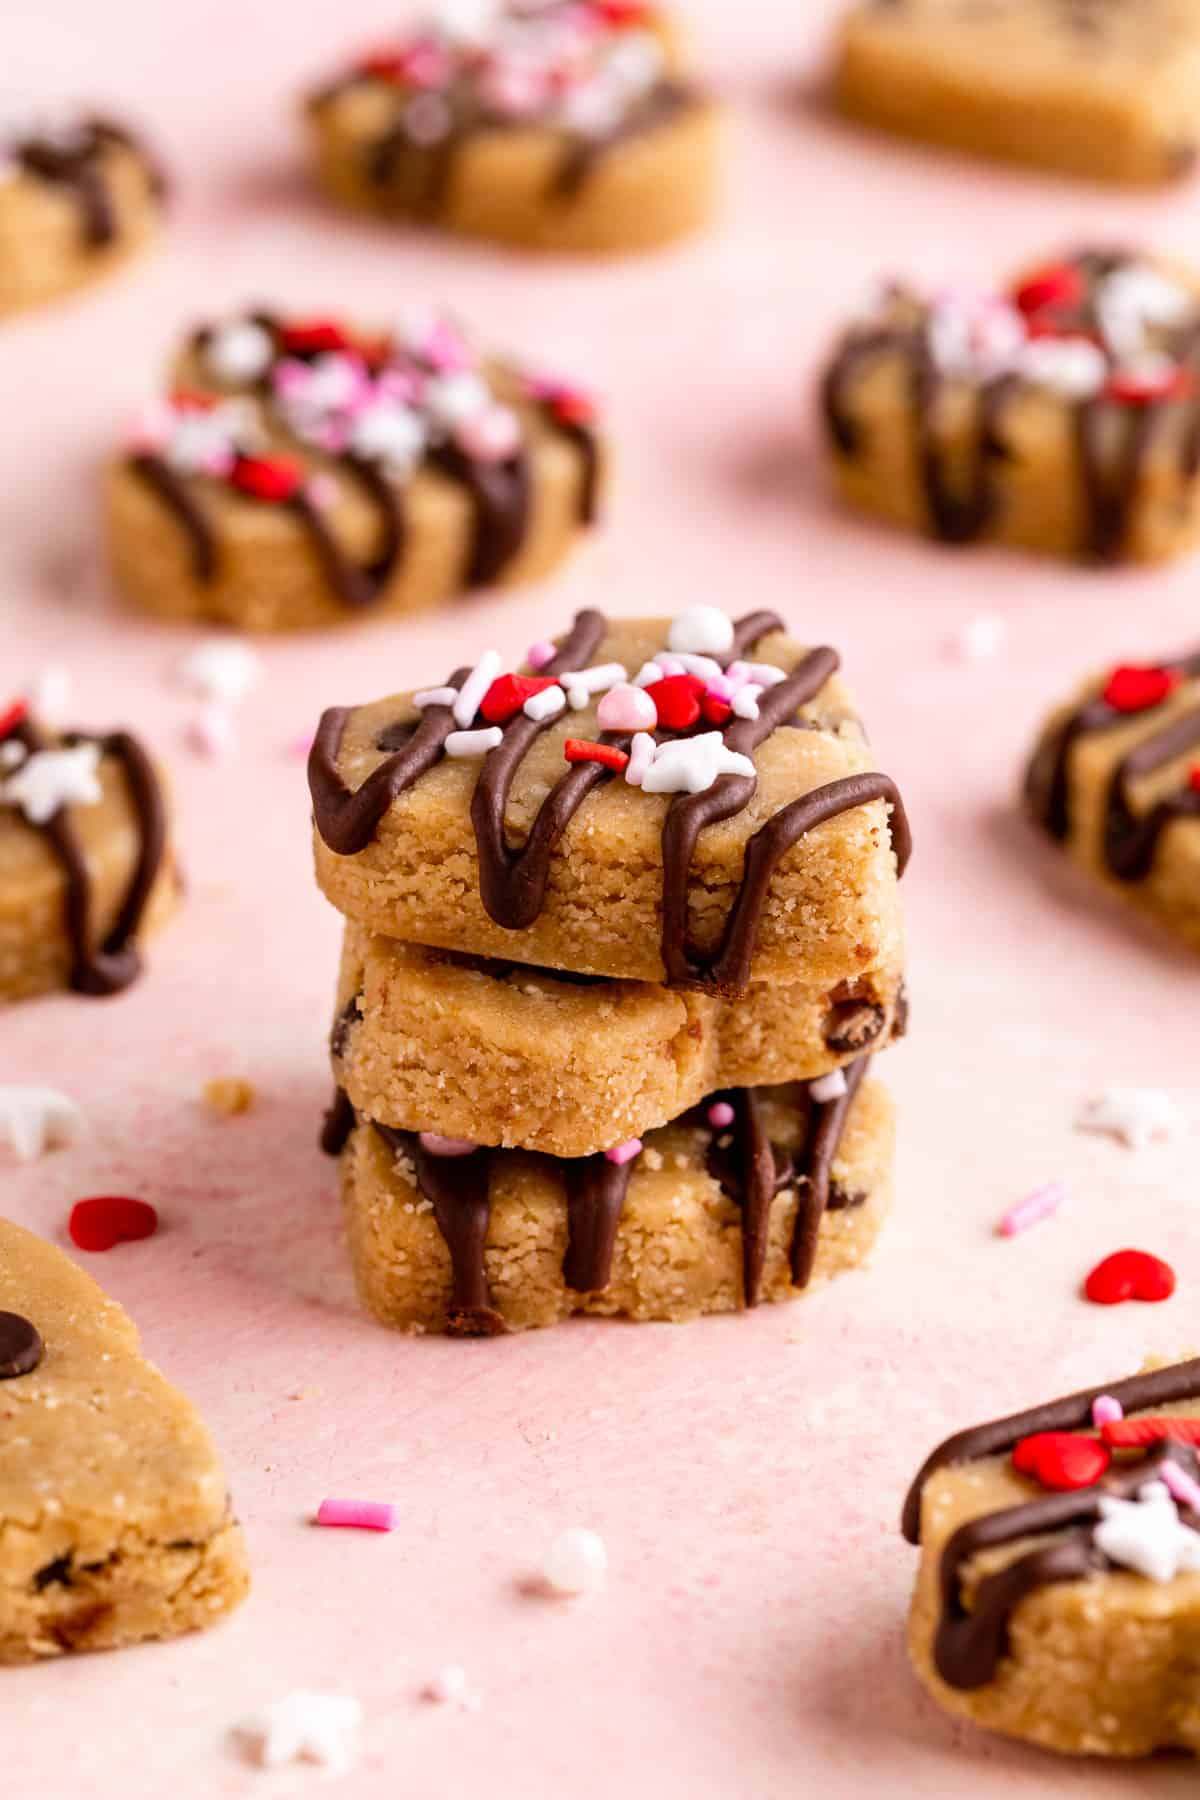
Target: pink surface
745,1473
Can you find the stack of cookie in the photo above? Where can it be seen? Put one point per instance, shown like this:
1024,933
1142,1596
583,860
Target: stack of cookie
622,935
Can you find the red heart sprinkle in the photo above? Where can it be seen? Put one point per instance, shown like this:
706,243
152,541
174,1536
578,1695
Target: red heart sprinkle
383,65
508,694
192,400
1060,284
11,716
1061,1460
1129,1275
305,337
1132,389
267,477
110,1219
1133,687
677,699
573,409
577,750
716,711
1139,1434
1194,779
621,13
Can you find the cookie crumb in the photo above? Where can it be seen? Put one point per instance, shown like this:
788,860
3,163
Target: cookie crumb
228,1095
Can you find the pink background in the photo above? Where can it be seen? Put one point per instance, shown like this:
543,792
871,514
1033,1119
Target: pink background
746,1473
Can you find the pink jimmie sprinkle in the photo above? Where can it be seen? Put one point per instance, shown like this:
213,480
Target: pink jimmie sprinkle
720,1114
1029,1211
366,1515
437,1145
300,746
539,654
1106,1410
623,1153
1182,1487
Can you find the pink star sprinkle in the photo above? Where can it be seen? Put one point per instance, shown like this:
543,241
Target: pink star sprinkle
623,1153
1036,1206
1106,1411
366,1515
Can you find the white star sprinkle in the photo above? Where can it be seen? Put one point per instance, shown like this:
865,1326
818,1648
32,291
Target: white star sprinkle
303,1726
1148,1535
51,779
1134,1115
34,1118
689,765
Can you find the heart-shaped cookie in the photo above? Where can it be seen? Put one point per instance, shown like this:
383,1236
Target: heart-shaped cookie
131,1534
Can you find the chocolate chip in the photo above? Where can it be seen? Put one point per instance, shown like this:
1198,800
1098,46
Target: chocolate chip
394,737
842,1199
54,1574
349,1015
852,1025
21,1347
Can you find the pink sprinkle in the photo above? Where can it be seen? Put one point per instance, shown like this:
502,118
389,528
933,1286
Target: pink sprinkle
1182,1487
299,747
1029,1211
210,732
720,1114
626,708
670,665
437,1145
367,1515
322,490
721,688
491,436
1106,1410
623,1153
539,654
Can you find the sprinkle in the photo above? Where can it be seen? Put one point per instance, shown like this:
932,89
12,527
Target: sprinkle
490,437
303,1727
1106,1410
691,765
623,1153
239,352
539,654
473,743
228,1095
649,673
702,666
110,1219
1194,779
745,701
1135,1116
12,755
765,674
1036,1206
508,693
211,731
677,700
299,746
545,705
1147,1534
305,337
979,639
1129,1275
1183,1488
1149,378
828,1087
581,684
1061,1460
1059,285
365,1515
434,1144
576,1562
1134,687
583,750
35,1119
220,670
449,1686
720,1114
271,478
701,628
321,491
12,715
641,755
453,398
466,705
1143,1433
51,779
626,708
49,694
439,696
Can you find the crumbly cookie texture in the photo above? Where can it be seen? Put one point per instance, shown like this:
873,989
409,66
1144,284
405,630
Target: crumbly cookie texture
563,127
78,197
1115,780
426,1040
1067,1614
305,472
86,868
510,848
521,1240
1106,92
1061,415
114,1520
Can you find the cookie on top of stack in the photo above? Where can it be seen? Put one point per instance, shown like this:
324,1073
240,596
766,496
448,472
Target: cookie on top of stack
623,933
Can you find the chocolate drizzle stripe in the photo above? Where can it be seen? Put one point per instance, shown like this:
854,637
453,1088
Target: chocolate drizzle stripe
822,1142
596,1190
663,105
103,969
347,818
501,494
1140,1393
176,495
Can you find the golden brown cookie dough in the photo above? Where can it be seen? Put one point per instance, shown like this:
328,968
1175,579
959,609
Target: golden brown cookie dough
1067,1617
1062,415
114,1519
1115,780
426,1040
78,197
81,884
568,128
1109,92
792,877
304,473
679,1249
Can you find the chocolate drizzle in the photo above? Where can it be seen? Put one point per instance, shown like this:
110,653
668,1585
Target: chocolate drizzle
581,156
1129,839
501,495
107,968
968,1645
512,883
79,166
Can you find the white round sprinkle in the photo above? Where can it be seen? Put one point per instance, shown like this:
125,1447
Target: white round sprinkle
220,670
453,399
980,638
576,1562
239,352
703,629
